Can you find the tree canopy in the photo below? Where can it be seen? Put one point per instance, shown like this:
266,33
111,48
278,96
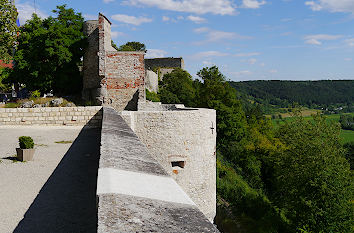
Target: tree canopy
50,51
8,29
132,46
292,178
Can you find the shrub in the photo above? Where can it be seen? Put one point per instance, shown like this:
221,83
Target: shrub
26,142
152,96
35,94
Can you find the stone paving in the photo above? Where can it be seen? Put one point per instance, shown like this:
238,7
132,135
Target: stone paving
57,191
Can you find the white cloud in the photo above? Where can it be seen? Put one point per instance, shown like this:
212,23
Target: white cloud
317,39
201,30
262,64
131,19
116,34
246,54
173,20
348,59
90,17
208,63
108,1
273,71
350,42
165,18
253,4
25,11
209,54
218,7
215,35
242,73
252,61
154,53
196,19
332,5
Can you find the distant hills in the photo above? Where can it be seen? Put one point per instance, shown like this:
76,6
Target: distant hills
311,94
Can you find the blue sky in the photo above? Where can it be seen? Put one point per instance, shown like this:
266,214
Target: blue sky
246,39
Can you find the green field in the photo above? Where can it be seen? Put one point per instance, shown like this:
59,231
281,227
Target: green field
346,135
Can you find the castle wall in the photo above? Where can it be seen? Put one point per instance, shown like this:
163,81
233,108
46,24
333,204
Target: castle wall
52,116
182,138
134,192
91,79
165,62
152,81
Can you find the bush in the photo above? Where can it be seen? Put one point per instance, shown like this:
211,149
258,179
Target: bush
152,96
26,142
35,94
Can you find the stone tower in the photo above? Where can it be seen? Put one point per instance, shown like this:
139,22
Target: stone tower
111,78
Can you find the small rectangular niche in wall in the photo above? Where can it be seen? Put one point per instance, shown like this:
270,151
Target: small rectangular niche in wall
178,164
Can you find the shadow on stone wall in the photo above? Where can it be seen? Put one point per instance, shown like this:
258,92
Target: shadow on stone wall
133,103
67,201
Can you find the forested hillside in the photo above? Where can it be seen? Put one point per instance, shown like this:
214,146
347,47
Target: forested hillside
292,178
312,94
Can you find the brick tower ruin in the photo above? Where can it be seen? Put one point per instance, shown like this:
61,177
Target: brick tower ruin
111,78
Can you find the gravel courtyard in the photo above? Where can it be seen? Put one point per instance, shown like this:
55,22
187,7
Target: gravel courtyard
56,192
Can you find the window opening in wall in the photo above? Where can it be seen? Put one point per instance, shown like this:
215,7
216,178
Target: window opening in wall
176,164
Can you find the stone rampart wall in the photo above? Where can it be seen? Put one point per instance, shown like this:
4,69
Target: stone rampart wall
135,193
58,116
183,141
165,62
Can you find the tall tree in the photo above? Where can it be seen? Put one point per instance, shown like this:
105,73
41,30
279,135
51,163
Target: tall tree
313,182
50,52
177,87
8,29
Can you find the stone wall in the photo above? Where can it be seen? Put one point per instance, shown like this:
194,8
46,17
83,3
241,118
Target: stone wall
183,141
124,80
152,81
111,78
164,62
135,193
59,116
91,80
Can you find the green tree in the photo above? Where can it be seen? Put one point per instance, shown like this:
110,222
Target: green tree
133,46
214,92
312,180
8,29
177,87
50,52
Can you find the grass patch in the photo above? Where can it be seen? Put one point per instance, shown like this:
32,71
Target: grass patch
64,142
40,145
12,105
347,136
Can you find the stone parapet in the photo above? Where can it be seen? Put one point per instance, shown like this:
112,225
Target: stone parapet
183,141
52,116
135,193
